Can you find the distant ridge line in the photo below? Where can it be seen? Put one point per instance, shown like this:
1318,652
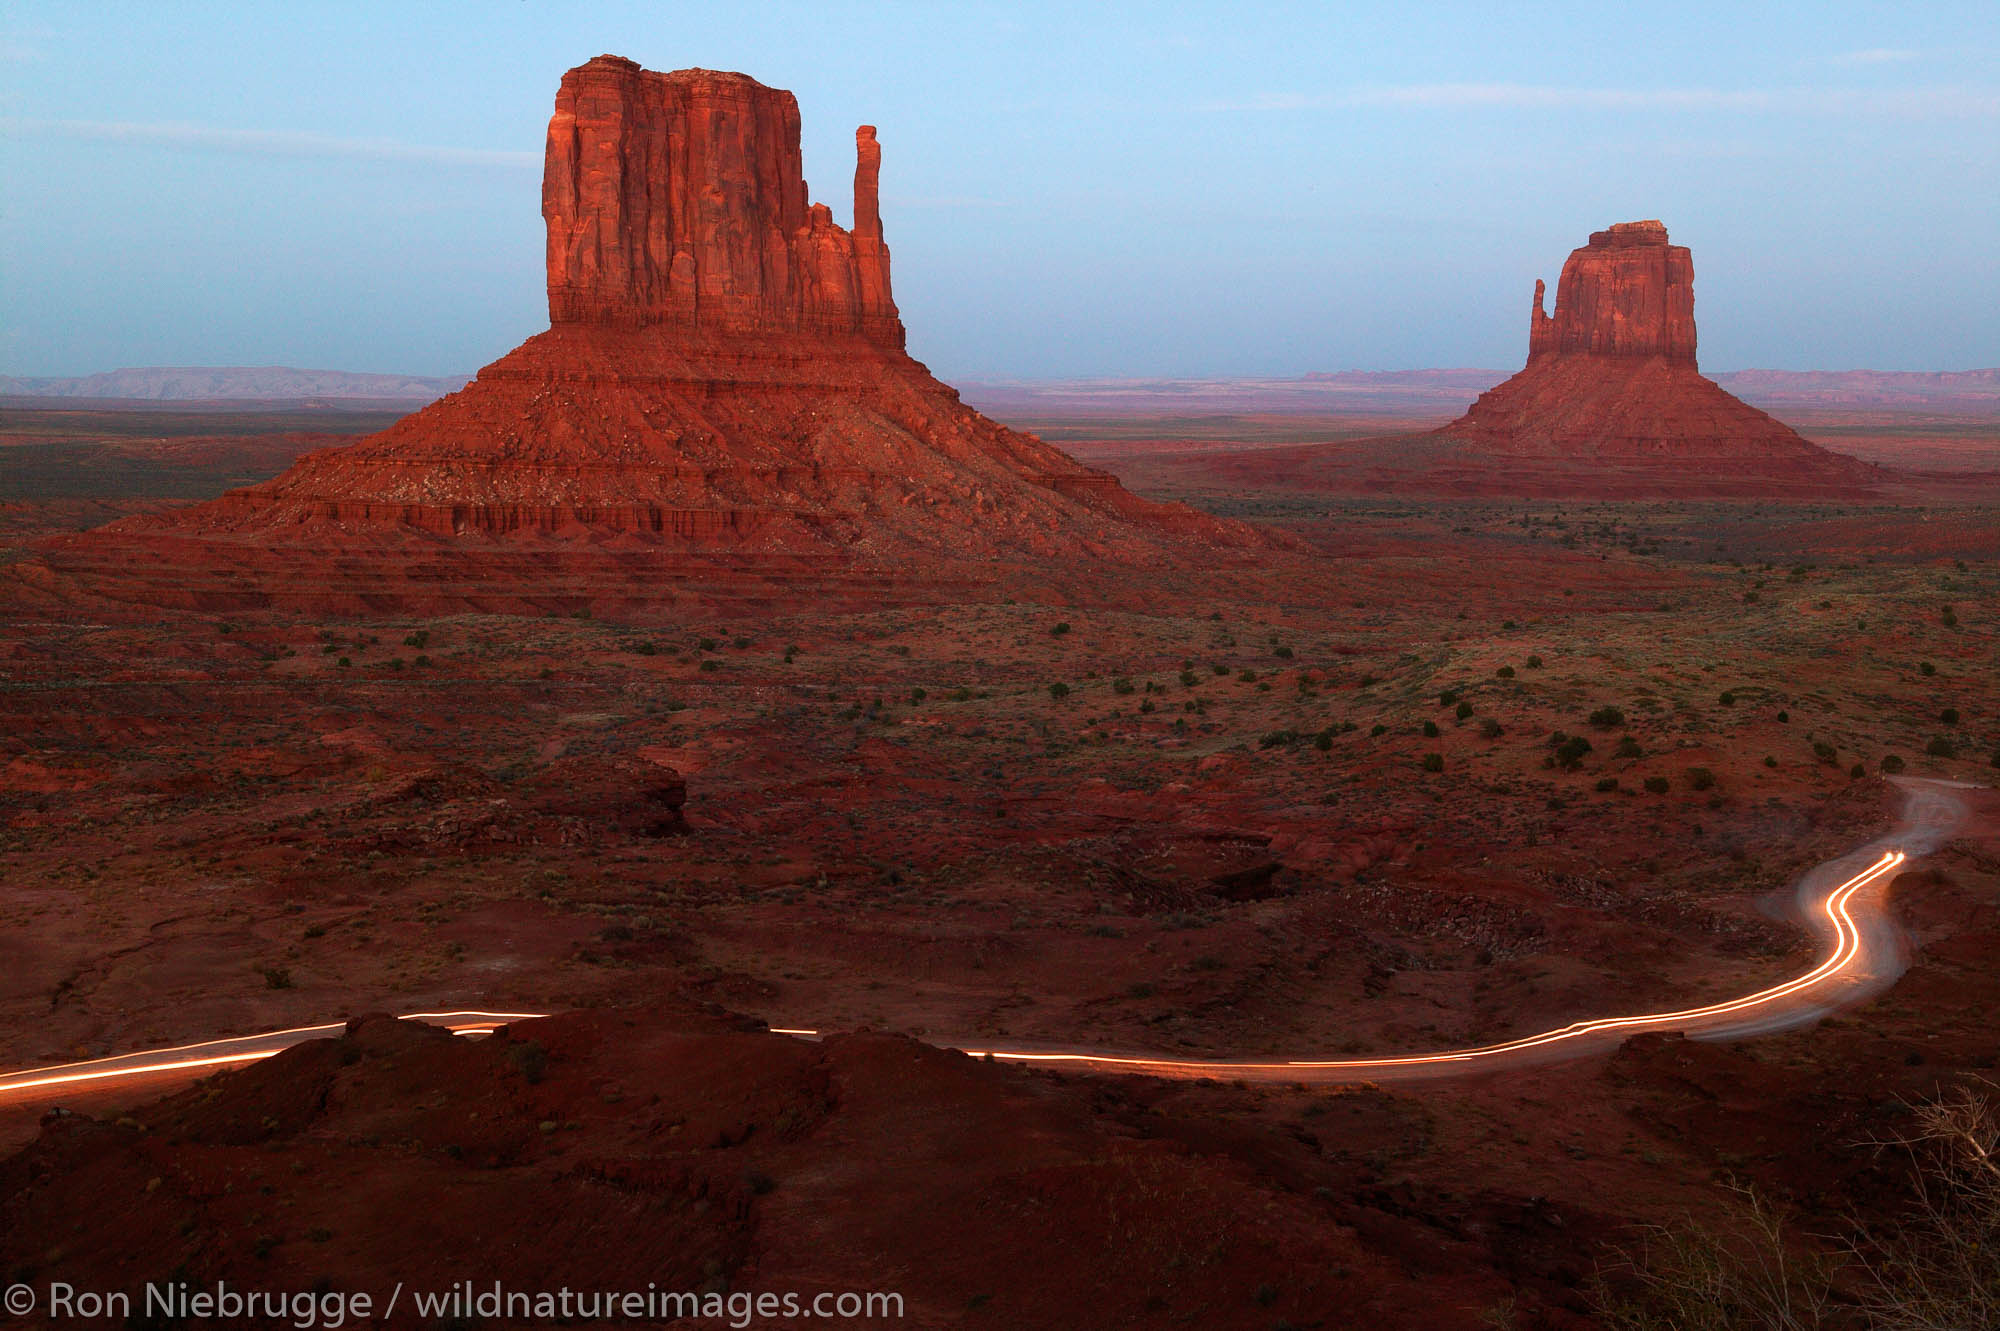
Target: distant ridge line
234,383
1316,390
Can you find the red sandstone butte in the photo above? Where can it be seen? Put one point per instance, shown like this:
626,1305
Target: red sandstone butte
723,386
1611,378
678,199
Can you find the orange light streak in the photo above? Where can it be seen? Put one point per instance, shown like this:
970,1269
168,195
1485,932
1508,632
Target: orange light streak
1847,948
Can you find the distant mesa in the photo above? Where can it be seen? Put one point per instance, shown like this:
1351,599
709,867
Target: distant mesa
1611,380
723,393
263,384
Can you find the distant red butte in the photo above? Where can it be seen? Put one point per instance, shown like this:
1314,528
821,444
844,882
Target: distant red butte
1611,380
721,405
1611,405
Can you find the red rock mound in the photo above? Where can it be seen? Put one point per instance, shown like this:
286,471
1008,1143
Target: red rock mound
723,395
1611,378
674,1149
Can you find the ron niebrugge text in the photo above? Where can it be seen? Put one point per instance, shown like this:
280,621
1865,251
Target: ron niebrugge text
332,1309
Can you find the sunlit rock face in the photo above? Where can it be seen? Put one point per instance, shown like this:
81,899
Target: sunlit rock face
679,199
723,387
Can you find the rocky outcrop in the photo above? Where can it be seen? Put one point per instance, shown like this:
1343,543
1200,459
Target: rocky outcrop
723,387
678,199
1611,380
1627,293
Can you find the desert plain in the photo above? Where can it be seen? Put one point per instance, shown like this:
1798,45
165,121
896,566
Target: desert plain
792,751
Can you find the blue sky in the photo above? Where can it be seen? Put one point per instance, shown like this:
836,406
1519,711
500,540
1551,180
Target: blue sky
1068,189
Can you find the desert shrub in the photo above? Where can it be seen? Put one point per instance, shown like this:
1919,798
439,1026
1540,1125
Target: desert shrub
1949,716
1433,762
1727,699
1430,730
1856,772
1059,691
1628,748
1220,668
1059,629
1464,710
1569,754
1891,764
1743,1275
1607,784
1769,761
1608,717
1940,747
1656,785
1377,730
1448,697
1491,728
1534,663
1784,718
1282,653
1189,678
1926,669
1121,685
1505,672
708,644
421,638
1248,676
1823,751
530,1060
645,647
918,695
1949,618
345,663
1276,738
743,645
1147,706
1996,759
1700,778
1936,1266
276,977
1323,741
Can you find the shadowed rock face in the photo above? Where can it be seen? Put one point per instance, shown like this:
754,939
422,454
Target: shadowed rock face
678,199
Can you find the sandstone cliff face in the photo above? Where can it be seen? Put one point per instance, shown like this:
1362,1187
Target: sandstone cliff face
678,199
1611,378
1627,293
723,389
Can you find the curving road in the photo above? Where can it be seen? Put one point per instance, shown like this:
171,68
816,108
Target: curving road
1844,900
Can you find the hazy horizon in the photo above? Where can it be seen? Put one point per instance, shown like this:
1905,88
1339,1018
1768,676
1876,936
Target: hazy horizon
1128,192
